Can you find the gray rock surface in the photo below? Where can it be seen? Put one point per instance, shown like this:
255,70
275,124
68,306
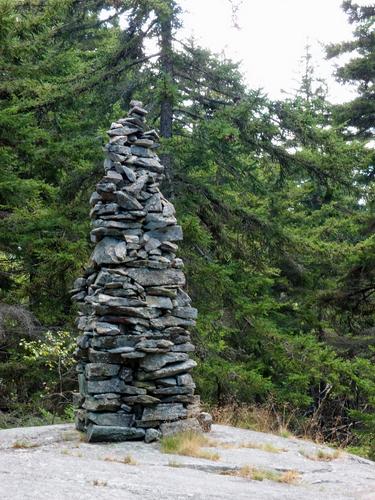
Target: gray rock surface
186,425
98,433
109,251
157,361
169,370
52,462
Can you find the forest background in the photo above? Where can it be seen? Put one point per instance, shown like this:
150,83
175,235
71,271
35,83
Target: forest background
275,197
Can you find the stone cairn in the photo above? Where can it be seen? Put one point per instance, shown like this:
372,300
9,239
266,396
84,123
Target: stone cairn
133,351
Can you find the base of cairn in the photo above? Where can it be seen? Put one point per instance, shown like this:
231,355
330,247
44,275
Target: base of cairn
134,315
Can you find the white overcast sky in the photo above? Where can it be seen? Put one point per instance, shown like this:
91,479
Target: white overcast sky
271,38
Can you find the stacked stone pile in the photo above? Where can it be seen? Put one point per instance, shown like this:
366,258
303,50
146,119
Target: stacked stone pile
133,351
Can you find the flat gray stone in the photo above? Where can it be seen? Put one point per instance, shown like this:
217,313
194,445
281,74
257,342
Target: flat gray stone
141,151
126,201
77,297
107,208
205,421
159,301
135,312
169,320
122,131
126,320
162,291
149,277
171,391
114,385
109,251
153,204
136,187
186,425
79,283
103,357
167,382
169,370
117,148
102,328
156,221
137,108
164,412
127,172
141,399
152,435
154,362
154,346
121,350
132,390
151,244
185,379
99,370
169,233
133,355
185,312
115,225
116,301
113,342
186,347
94,198
113,176
97,433
151,164
102,402
111,419
146,143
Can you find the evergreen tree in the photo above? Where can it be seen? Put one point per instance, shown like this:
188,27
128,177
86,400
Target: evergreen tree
359,71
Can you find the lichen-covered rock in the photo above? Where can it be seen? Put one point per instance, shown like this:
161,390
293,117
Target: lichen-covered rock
133,348
205,421
164,412
169,370
156,361
109,251
152,435
186,425
120,419
97,433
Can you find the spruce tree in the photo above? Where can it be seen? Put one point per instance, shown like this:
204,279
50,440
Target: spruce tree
359,114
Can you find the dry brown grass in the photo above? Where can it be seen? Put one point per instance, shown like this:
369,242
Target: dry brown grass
99,482
256,474
290,477
128,460
323,455
188,444
268,447
70,435
272,418
257,418
17,445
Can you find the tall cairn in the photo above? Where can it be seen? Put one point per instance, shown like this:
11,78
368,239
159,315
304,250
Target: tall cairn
133,351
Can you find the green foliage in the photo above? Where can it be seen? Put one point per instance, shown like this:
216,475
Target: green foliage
359,70
37,378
